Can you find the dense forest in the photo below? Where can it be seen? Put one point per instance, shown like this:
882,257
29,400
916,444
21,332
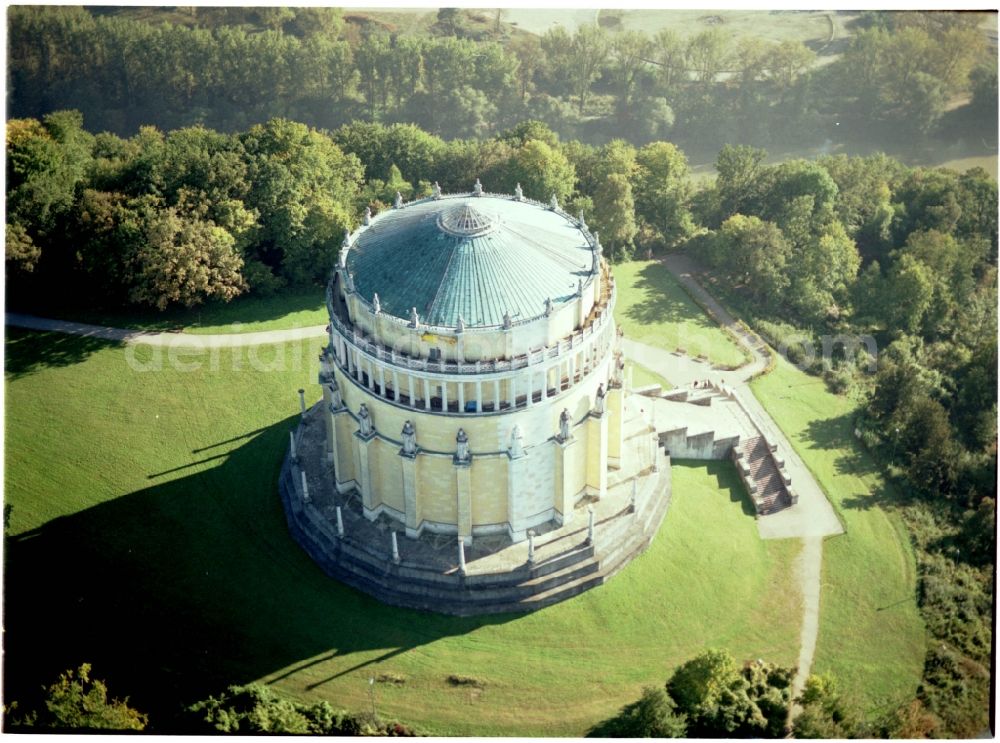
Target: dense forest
228,69
225,198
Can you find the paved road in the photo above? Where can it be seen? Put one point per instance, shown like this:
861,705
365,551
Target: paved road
150,338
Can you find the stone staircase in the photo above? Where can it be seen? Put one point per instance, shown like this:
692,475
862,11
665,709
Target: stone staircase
566,565
763,474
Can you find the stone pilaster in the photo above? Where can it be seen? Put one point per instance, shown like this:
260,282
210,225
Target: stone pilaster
564,497
364,478
463,477
410,500
597,452
522,495
616,414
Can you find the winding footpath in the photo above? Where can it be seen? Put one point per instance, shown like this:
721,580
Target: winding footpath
817,518
811,523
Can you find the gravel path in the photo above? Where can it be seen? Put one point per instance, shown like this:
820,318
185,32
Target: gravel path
816,519
809,571
151,338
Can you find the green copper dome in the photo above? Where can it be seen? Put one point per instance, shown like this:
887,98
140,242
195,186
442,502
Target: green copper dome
471,257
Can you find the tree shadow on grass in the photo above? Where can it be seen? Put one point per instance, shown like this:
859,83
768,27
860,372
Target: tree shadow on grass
175,591
664,301
213,313
727,479
838,433
28,351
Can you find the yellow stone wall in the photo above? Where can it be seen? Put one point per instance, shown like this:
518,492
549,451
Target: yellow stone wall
344,456
387,475
489,490
439,498
489,436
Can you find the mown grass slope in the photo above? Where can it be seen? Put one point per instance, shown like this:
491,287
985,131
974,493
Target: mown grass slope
147,538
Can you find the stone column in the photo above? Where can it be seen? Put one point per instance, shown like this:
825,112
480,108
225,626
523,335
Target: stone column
461,395
444,395
427,394
479,396
496,395
512,391
413,399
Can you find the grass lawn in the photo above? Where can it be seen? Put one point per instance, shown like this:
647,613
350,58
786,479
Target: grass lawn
298,308
653,308
147,538
643,376
809,27
871,634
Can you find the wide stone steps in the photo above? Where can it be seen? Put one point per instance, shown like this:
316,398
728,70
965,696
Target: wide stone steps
523,588
762,473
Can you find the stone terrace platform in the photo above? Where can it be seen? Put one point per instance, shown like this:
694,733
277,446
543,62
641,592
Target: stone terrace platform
498,577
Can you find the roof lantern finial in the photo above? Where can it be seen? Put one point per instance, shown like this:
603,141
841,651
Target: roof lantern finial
518,193
376,304
477,189
368,215
414,317
554,203
583,222
398,203
436,191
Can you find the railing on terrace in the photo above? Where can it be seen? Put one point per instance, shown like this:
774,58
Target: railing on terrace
606,292
532,358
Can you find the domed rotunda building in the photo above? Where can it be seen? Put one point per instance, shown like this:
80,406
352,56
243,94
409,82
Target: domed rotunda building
472,384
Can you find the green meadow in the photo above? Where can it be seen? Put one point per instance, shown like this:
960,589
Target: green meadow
147,538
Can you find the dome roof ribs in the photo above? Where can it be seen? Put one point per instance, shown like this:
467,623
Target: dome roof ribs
478,258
